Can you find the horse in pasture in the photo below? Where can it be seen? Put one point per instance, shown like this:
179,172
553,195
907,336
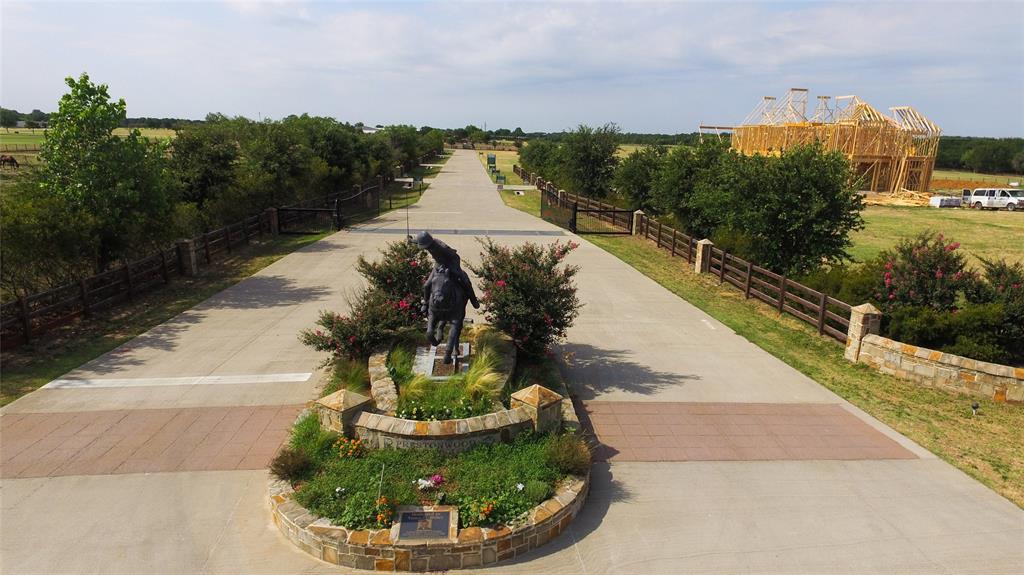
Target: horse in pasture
8,161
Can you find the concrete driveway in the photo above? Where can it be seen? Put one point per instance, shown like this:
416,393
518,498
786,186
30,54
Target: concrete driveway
150,458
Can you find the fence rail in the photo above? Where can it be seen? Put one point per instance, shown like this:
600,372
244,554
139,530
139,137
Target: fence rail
828,315
8,148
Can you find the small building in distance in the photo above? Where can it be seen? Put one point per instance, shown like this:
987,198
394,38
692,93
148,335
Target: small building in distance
889,153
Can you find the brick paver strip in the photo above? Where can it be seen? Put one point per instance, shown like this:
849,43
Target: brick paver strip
142,441
660,431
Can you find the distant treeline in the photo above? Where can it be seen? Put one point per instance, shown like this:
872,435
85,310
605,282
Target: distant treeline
97,198
988,155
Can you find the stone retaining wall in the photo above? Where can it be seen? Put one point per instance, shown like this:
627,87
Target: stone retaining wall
937,369
375,550
453,435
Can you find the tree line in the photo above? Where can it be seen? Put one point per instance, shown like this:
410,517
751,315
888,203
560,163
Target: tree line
792,213
97,199
985,155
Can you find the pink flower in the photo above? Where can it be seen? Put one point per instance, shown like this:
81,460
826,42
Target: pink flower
402,304
414,263
938,274
888,265
952,246
352,339
1016,286
436,479
500,283
892,295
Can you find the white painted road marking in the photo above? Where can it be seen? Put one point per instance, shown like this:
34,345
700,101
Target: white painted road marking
194,380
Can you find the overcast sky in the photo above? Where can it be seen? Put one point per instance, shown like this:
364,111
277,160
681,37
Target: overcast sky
650,67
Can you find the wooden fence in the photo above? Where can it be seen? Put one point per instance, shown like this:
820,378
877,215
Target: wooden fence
8,148
828,315
26,318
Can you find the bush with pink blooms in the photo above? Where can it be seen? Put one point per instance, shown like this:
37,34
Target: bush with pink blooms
388,305
529,292
926,271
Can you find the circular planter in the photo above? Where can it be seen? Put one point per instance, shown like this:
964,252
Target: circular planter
375,550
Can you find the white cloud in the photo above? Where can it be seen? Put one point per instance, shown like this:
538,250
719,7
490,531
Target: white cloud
663,66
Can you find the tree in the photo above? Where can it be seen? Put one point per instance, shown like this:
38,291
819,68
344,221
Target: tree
588,159
635,175
117,181
8,118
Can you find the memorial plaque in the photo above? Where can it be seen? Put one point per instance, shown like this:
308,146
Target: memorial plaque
426,524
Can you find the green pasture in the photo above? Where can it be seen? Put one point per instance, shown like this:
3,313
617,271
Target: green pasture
989,234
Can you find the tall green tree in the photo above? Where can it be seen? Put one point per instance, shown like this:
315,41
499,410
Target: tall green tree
118,181
588,159
635,176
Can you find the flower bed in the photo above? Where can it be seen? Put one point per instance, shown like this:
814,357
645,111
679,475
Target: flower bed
339,503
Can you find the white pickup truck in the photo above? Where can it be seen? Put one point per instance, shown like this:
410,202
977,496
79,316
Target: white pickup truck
994,199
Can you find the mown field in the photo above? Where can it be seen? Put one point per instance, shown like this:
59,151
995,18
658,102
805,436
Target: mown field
35,135
988,234
504,161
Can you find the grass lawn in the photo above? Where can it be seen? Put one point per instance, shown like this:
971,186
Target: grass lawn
988,234
504,161
986,447
35,135
995,179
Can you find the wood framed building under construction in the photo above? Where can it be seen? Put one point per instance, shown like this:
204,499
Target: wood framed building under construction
889,153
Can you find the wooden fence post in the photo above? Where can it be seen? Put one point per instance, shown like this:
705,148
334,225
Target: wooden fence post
83,292
658,241
130,281
721,268
746,282
163,266
206,246
26,321
822,307
689,250
227,238
673,243
782,294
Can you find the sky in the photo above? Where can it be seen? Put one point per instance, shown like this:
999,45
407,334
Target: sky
662,67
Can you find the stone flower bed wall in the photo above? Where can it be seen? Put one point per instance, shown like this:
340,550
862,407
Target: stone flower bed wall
938,369
535,408
375,550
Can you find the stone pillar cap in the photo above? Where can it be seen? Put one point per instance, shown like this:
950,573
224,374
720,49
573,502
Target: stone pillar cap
342,400
536,396
866,308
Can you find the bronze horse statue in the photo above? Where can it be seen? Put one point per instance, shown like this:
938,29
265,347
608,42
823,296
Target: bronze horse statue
445,293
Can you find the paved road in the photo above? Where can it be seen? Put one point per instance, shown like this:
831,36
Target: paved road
748,503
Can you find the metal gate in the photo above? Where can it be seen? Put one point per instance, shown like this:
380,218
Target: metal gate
303,221
584,216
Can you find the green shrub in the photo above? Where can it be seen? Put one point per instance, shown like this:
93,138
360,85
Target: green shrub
312,439
528,294
399,363
973,331
381,312
291,465
568,453
925,271
851,283
537,491
399,274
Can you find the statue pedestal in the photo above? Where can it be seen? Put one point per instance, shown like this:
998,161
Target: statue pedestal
429,361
